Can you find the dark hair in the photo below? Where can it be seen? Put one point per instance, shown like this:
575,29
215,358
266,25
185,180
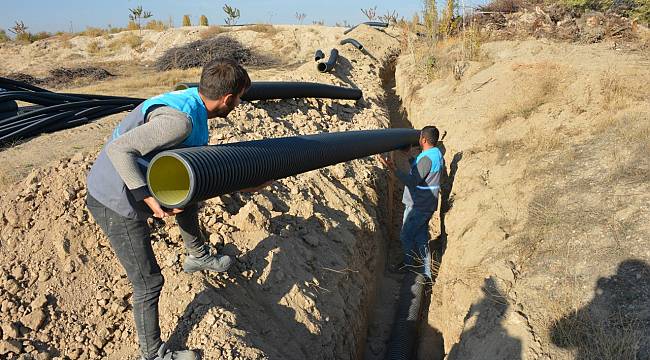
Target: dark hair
431,134
223,76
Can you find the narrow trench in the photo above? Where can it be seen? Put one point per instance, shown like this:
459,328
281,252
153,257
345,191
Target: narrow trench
388,281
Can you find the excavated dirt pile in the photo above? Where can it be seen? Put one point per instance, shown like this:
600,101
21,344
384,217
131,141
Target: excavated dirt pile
306,247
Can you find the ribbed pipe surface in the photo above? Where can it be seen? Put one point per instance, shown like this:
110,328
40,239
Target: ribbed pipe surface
352,41
183,176
369,23
403,335
331,62
8,106
266,90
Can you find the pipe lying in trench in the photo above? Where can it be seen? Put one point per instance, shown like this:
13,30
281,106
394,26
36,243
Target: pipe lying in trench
401,345
353,42
266,90
184,176
369,23
319,55
331,62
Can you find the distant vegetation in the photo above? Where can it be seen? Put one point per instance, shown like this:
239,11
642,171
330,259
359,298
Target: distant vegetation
232,14
186,20
203,20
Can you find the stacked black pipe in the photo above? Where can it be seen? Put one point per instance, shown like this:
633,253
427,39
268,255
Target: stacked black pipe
221,169
369,23
52,111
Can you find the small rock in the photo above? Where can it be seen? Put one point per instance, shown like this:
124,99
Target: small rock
10,346
10,330
34,320
210,319
18,272
39,303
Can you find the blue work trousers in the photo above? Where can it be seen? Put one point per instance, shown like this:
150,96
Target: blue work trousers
415,240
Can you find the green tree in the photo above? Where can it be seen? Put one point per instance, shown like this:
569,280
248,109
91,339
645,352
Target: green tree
448,19
186,20
137,14
203,20
232,13
431,18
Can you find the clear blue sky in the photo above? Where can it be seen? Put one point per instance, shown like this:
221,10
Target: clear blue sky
50,15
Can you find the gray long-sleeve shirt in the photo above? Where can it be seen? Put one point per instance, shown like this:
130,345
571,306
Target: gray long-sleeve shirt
165,128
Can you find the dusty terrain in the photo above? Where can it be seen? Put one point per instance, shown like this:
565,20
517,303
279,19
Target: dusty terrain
543,227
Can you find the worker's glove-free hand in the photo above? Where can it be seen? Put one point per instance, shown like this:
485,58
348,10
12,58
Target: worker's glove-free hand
157,210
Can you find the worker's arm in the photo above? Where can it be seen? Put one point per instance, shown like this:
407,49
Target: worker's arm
165,128
417,175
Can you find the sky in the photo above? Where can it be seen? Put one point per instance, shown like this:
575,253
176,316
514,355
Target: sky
76,15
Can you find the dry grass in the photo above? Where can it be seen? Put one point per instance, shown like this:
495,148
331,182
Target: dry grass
614,91
267,29
212,31
130,39
94,47
535,87
93,32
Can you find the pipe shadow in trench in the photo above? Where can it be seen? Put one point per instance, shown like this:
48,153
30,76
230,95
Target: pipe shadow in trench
259,302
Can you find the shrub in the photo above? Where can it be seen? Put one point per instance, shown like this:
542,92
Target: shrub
93,31
132,25
93,47
155,25
263,28
130,39
3,36
39,36
203,20
212,31
186,20
200,52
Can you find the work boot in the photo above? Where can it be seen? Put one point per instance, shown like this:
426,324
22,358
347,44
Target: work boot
217,263
166,354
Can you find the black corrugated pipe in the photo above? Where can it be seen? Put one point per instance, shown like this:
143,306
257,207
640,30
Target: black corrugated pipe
369,23
319,55
401,345
183,176
331,62
266,90
353,42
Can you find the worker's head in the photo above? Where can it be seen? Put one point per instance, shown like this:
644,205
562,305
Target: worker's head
223,82
429,137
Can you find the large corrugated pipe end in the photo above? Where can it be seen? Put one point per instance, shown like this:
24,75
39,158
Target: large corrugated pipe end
170,180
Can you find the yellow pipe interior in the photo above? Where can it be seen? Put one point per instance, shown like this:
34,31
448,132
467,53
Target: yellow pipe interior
169,180
180,87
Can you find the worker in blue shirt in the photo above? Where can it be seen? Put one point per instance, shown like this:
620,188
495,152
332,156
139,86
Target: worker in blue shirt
421,192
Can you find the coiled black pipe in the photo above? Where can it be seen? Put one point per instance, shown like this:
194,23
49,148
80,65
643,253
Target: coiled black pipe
403,335
183,176
7,106
369,23
331,62
265,90
319,55
353,42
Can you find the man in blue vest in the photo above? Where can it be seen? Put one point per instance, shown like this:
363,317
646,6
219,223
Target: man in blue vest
119,200
421,191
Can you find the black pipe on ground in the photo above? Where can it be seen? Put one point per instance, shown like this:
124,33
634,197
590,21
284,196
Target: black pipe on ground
353,42
319,55
266,90
369,23
184,176
401,345
331,62
7,106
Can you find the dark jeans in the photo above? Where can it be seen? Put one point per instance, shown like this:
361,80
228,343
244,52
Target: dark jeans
415,240
131,241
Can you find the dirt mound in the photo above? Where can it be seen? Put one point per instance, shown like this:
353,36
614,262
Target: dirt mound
60,77
200,52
